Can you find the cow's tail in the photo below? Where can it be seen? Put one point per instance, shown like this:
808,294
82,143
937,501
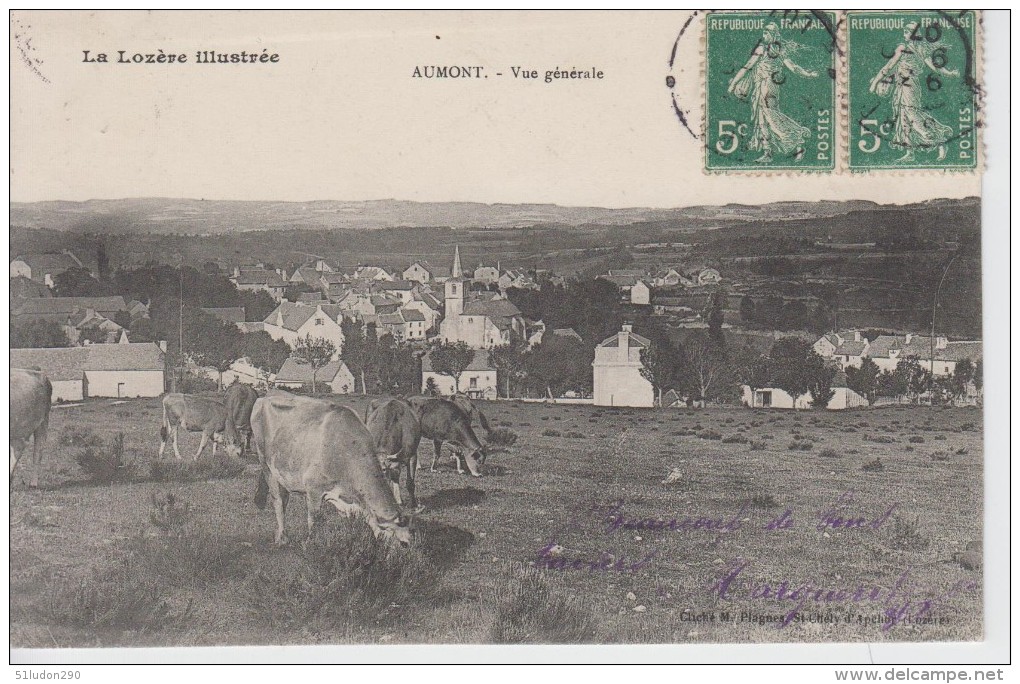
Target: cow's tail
483,421
164,427
262,490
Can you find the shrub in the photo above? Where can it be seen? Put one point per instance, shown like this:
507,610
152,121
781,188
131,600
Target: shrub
191,559
104,464
169,513
798,445
940,438
78,436
764,500
940,455
345,577
710,434
735,439
126,598
757,445
905,534
880,439
828,453
968,426
570,434
529,611
962,451
916,439
549,432
502,437
873,466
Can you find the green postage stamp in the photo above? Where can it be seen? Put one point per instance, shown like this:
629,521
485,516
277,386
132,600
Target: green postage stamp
770,90
912,90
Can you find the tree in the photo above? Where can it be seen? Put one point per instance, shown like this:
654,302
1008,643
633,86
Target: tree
704,365
747,309
431,388
979,375
797,368
864,380
452,360
78,282
508,360
820,384
962,376
769,310
559,364
793,316
398,369
891,384
658,367
914,377
37,332
316,352
715,317
210,342
355,348
265,353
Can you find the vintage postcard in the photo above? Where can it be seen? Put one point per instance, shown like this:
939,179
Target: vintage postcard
333,329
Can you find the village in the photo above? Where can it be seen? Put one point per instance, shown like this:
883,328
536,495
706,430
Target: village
668,336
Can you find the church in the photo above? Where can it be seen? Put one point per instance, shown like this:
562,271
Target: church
482,320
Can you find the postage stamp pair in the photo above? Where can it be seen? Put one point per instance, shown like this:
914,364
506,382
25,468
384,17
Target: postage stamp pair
820,91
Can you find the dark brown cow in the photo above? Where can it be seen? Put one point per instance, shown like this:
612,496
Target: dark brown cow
326,452
198,414
444,421
31,394
239,400
395,427
465,404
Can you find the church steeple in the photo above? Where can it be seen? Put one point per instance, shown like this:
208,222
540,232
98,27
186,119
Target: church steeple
456,271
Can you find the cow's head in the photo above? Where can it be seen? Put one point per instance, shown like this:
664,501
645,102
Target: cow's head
397,530
233,449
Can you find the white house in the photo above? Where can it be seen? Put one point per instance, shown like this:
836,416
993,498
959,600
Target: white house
640,293
292,322
372,273
477,381
98,370
335,376
43,268
773,397
419,272
848,348
617,368
486,275
397,289
261,280
241,370
888,350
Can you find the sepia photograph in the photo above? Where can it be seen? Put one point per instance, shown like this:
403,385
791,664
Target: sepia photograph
338,329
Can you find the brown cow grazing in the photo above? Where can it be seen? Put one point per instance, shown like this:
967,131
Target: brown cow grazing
198,414
444,421
326,452
395,427
239,400
31,394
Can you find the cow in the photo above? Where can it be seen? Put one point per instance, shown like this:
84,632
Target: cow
465,404
31,394
443,421
239,400
198,414
324,451
396,429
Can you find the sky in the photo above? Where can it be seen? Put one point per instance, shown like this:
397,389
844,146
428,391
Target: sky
340,117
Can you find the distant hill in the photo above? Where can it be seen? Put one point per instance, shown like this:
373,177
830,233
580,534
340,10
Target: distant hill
211,217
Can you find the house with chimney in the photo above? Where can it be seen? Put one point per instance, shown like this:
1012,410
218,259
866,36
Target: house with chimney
372,273
939,355
478,380
334,378
775,397
847,348
617,371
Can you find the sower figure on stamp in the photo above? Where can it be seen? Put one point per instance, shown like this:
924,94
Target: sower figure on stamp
761,79
904,76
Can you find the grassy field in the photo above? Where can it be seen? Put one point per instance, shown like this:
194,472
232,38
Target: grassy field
101,564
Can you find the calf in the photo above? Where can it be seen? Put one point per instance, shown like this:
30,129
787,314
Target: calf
396,430
198,414
443,421
239,400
